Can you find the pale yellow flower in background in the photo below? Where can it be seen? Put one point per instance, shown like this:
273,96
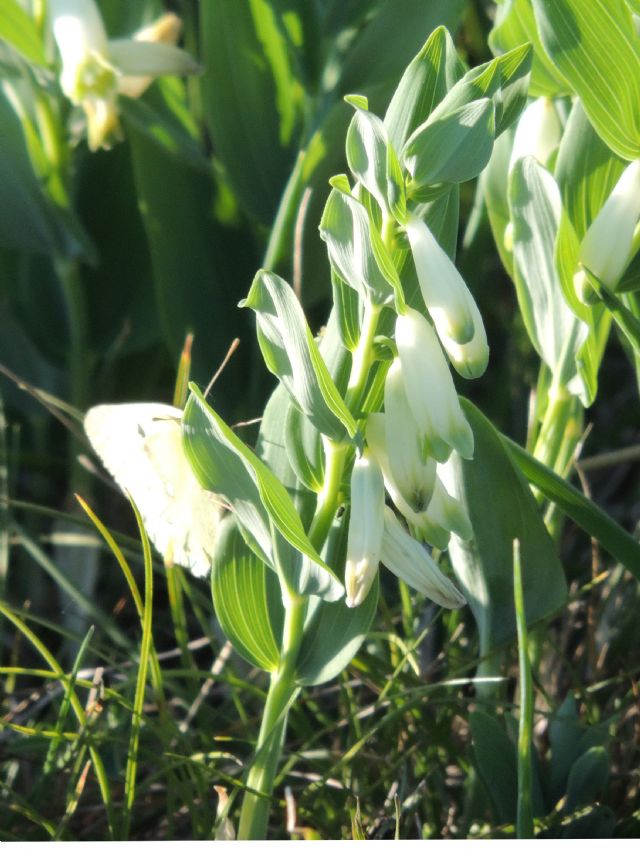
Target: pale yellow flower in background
95,71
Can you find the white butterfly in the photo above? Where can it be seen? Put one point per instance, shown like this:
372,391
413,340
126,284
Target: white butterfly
141,446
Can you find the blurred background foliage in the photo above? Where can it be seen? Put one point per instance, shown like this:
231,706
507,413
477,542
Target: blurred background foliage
108,260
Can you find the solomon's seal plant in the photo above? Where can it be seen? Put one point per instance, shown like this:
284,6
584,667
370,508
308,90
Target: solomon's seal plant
370,404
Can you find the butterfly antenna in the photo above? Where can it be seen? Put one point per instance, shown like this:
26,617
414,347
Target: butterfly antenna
234,346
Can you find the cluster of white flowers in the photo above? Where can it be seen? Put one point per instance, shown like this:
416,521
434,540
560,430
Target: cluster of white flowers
421,425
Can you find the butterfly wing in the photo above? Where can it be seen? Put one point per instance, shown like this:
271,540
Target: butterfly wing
140,444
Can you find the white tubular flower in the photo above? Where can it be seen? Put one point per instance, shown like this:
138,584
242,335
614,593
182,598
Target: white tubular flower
411,562
444,291
471,359
606,247
366,524
538,132
430,390
442,516
412,473
420,523
95,70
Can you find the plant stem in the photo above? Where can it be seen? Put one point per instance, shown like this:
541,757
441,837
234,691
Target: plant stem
329,495
552,430
254,815
524,821
362,357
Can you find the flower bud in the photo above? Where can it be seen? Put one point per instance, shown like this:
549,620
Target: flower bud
430,390
606,247
412,473
411,562
538,132
445,294
449,301
366,523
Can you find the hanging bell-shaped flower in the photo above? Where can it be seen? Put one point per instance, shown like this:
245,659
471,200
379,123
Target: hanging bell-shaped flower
412,473
449,302
366,523
430,390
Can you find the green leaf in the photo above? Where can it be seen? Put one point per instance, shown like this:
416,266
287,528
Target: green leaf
595,47
151,118
224,464
291,353
19,29
249,73
624,318
333,637
333,633
565,732
587,515
423,85
347,305
29,219
247,599
501,508
356,250
24,219
453,148
176,205
271,448
304,447
497,763
503,79
554,329
515,76
586,170
373,161
516,25
587,778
